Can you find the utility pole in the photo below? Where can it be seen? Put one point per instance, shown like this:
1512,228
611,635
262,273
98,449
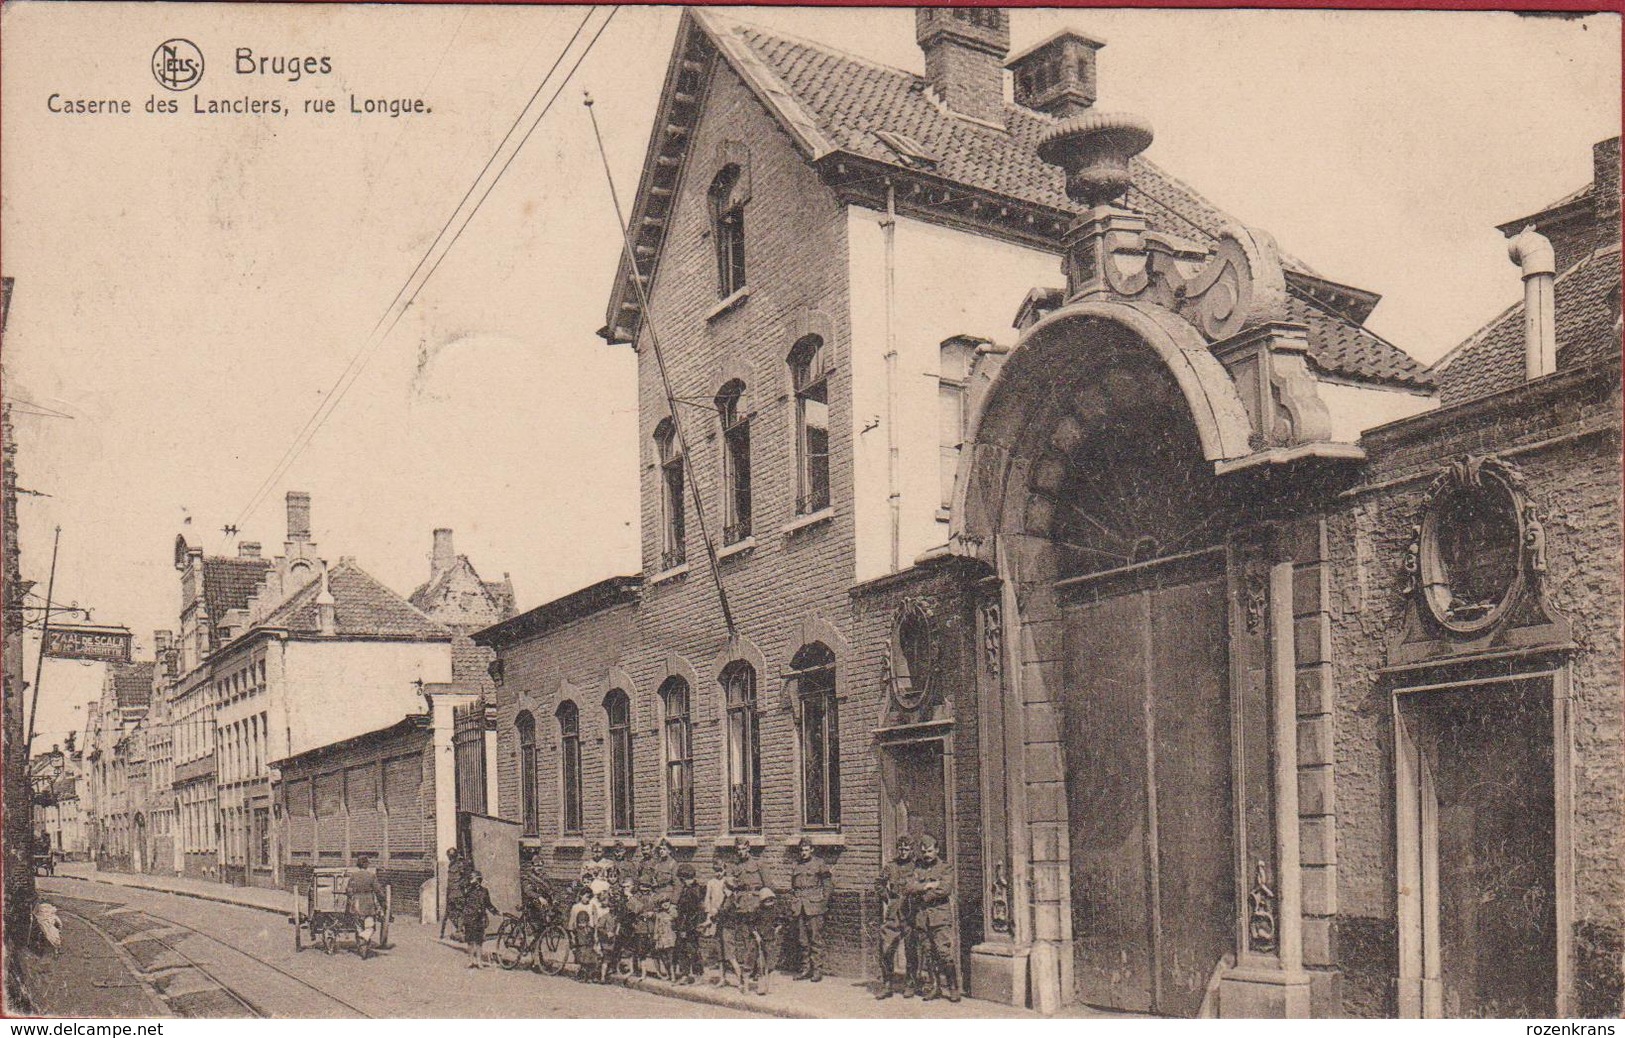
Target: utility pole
44,640
17,834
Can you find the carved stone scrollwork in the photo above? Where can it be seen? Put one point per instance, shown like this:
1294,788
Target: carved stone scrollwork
913,664
1261,918
998,899
1256,589
1478,548
993,638
1241,285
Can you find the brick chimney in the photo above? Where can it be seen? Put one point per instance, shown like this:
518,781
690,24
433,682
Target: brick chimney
1605,186
248,550
965,48
298,517
443,556
1058,75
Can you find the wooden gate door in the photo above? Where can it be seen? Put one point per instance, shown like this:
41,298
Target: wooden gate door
1147,743
915,793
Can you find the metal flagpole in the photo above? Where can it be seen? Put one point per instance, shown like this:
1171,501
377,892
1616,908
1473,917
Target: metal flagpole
660,362
44,637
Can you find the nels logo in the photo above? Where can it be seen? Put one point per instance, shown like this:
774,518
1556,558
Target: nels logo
177,64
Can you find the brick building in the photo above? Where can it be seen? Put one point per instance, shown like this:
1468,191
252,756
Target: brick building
1076,603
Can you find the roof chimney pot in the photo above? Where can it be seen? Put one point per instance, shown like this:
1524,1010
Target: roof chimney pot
1058,75
444,555
298,516
964,50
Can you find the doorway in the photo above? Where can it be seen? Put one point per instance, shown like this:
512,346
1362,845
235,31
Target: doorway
914,779
1147,743
1477,827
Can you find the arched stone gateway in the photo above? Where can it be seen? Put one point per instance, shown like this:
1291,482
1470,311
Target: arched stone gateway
1142,482
1134,591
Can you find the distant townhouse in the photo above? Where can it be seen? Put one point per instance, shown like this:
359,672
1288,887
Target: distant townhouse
116,763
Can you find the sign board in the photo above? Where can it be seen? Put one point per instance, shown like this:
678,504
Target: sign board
83,642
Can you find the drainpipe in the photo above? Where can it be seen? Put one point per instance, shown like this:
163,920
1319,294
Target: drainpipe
1531,251
888,226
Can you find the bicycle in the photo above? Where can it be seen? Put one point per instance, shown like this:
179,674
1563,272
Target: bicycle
538,937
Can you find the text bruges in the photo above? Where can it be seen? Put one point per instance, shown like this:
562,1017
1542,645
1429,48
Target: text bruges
293,67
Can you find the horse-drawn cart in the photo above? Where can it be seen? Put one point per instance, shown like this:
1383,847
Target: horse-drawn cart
322,913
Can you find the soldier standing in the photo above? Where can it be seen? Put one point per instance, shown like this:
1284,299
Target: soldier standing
892,889
456,882
932,890
742,939
810,887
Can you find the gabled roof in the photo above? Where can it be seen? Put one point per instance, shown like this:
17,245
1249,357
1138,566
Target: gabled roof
132,684
228,583
500,592
835,106
1492,358
362,608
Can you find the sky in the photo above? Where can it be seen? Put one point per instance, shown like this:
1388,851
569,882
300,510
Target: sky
189,287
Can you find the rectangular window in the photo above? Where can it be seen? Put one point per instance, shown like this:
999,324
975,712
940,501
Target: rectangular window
570,766
811,378
329,794
361,788
621,802
820,744
262,836
673,534
679,758
735,468
744,749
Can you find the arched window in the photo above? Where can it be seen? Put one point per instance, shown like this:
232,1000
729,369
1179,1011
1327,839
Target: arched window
679,756
814,670
672,551
735,463
525,724
618,710
809,372
570,764
744,748
728,230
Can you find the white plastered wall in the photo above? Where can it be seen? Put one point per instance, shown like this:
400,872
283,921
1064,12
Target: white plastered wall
948,283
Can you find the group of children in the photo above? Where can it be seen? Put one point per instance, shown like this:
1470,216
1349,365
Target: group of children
660,912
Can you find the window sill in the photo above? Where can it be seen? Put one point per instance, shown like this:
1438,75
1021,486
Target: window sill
729,839
802,522
570,843
671,574
728,303
818,838
683,842
737,548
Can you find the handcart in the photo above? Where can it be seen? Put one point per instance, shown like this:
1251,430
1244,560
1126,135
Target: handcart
322,915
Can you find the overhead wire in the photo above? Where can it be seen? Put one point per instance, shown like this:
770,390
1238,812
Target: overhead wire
358,362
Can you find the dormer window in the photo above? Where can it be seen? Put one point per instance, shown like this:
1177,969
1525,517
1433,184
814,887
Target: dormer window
728,230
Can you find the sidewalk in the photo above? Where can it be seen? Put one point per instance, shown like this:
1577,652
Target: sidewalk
266,900
833,998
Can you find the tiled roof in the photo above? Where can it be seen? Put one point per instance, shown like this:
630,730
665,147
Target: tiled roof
1340,346
362,608
132,683
1493,358
847,99
227,584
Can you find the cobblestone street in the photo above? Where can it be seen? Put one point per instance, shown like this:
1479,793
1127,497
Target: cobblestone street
129,952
